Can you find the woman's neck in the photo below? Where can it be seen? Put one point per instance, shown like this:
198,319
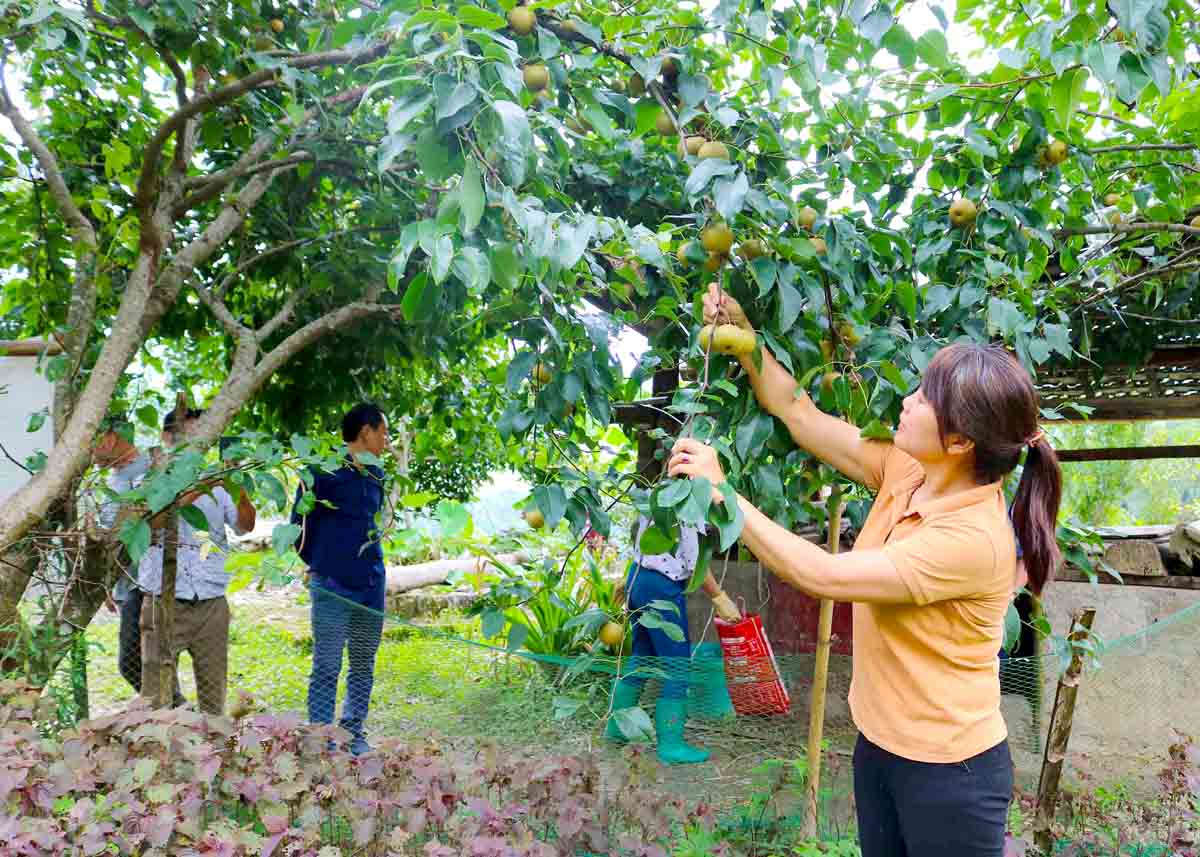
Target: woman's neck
944,478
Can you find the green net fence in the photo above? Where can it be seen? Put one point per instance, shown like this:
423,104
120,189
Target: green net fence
377,673
314,656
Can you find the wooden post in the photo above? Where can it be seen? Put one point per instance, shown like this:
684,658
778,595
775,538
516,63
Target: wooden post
166,612
166,598
1062,717
816,709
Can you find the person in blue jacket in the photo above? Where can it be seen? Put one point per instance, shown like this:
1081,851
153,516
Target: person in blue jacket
340,543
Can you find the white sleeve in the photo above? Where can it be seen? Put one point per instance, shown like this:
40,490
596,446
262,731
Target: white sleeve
228,510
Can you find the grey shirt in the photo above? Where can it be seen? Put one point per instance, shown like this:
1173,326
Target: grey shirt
200,568
120,480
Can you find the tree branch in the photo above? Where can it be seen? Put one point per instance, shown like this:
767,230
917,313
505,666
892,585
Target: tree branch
228,279
210,187
1179,263
81,309
222,313
148,179
370,294
1126,229
1144,147
239,387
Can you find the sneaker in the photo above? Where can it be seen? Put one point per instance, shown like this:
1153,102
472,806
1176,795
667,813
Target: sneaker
359,746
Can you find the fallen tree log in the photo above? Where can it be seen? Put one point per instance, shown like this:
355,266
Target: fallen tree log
402,578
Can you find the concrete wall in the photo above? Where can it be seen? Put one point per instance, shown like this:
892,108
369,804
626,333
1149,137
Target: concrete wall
22,392
1145,684
1128,707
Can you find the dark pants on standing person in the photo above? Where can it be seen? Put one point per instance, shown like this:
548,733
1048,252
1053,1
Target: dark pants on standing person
129,640
921,809
652,645
342,625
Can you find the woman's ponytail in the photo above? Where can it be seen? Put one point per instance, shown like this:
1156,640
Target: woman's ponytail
1035,512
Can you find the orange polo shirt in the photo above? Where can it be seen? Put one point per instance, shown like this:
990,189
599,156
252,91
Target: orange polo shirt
926,682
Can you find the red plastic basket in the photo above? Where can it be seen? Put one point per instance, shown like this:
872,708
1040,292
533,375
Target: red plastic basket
751,671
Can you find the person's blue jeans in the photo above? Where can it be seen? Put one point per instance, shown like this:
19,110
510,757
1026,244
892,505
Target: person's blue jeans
651,646
339,624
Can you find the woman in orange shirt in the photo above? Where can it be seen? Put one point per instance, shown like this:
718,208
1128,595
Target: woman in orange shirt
931,576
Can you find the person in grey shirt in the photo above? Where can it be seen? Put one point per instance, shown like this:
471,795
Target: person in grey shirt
114,451
201,620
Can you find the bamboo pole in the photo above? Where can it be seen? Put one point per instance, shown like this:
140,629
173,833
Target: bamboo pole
1062,718
816,709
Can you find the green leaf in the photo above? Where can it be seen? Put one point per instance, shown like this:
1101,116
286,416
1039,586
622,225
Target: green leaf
1065,95
441,258
907,295
1131,79
673,492
470,196
148,416
654,541
283,536
195,517
403,112
135,535
552,500
413,304
764,270
705,172
492,622
729,195
454,519
694,510
36,420
517,635
752,434
473,16
473,269
515,141
733,519
790,304
634,724
876,25
1012,628
933,49
433,155
418,500
270,487
653,620
1103,58
1004,317
453,100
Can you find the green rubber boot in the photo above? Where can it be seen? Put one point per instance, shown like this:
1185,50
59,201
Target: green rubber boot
669,717
625,695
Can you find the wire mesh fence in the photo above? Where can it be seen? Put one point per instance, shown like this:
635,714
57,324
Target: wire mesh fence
335,661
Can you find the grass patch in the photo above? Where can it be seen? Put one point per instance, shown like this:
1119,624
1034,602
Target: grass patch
423,681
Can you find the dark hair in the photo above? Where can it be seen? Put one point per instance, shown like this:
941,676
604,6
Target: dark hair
982,393
171,420
361,415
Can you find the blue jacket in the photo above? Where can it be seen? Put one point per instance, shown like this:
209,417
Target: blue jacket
341,544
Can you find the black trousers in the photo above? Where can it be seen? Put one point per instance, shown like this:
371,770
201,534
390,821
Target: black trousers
129,644
129,640
920,809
